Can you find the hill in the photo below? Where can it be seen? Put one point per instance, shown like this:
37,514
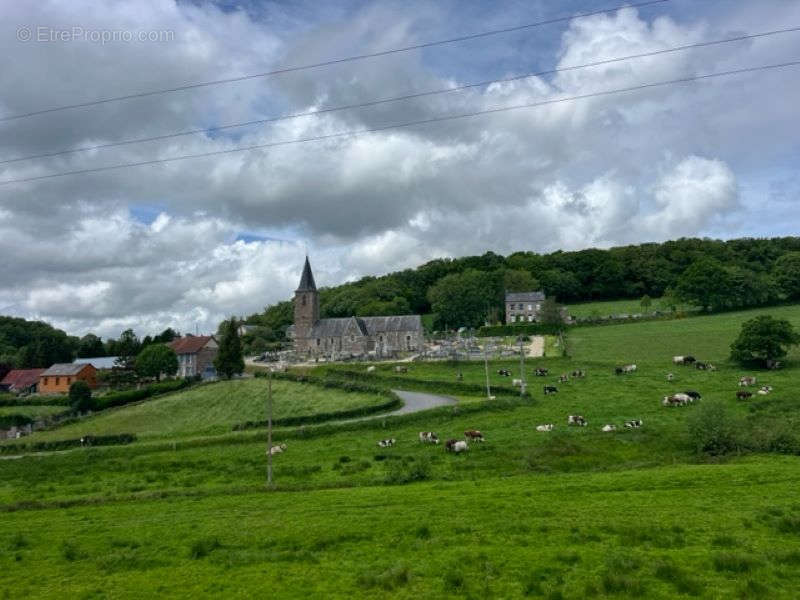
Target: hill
747,272
573,513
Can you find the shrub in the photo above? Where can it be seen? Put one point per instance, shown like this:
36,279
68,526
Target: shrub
714,430
399,472
80,396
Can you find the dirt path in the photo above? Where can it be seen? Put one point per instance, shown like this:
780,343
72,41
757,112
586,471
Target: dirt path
536,347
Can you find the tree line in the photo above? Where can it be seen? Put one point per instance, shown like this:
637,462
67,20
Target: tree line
468,291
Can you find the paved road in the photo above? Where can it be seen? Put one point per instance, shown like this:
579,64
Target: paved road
417,401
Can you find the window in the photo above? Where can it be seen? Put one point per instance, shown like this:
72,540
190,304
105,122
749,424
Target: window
519,306
380,338
538,306
317,341
513,319
530,306
530,317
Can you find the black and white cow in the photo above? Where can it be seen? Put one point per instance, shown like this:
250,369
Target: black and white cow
504,372
693,394
743,395
545,427
540,372
563,378
633,424
387,443
747,380
455,446
428,437
577,420
550,389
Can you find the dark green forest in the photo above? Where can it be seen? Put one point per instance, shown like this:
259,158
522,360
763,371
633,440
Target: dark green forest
712,274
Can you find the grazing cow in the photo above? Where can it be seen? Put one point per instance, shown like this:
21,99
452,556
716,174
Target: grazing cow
387,443
547,427
428,437
742,395
634,424
399,369
577,420
456,446
540,372
579,373
629,368
676,400
608,428
765,389
687,360
670,376
746,380
371,369
678,360
474,435
550,389
700,366
276,449
517,383
693,395
563,378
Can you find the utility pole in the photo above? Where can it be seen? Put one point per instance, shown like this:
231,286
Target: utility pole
521,366
486,368
269,428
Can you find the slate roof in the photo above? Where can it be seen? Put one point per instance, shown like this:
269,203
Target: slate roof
307,283
99,362
366,326
20,379
64,369
525,296
190,344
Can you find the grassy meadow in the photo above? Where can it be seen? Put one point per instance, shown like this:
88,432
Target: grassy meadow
573,513
211,409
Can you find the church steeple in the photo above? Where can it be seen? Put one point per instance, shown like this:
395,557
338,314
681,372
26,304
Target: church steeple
306,308
307,279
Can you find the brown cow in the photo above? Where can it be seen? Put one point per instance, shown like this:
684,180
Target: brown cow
474,435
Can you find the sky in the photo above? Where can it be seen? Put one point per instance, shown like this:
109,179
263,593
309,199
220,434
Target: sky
187,243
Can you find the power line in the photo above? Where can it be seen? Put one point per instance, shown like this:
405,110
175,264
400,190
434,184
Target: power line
326,63
400,98
406,124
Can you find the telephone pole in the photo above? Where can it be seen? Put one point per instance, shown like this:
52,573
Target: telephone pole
269,428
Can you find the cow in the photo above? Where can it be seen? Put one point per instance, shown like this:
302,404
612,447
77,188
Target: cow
765,389
546,427
687,360
678,360
474,435
609,428
276,449
371,369
563,378
428,437
700,366
629,368
504,372
550,389
579,373
455,446
676,400
746,380
743,395
577,420
634,424
618,371
517,383
399,369
387,443
693,395
540,372
670,376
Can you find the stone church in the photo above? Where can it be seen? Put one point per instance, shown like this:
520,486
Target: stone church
381,336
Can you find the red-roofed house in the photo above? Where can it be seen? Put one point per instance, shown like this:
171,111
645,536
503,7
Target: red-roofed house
21,381
196,354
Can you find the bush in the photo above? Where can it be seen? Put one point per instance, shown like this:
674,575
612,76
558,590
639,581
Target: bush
714,430
128,396
399,472
80,396
8,421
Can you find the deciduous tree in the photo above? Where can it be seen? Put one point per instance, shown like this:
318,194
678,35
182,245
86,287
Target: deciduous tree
764,338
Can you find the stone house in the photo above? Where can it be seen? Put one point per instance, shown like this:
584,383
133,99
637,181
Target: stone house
314,337
196,354
523,306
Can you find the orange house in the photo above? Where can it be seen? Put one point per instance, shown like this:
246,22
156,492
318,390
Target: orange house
58,378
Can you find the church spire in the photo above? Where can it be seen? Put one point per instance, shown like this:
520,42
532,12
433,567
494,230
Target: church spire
307,279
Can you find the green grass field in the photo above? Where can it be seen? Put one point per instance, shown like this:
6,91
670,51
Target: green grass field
32,411
573,513
212,409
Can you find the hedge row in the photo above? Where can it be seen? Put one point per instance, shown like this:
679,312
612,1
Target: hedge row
9,421
10,400
93,440
521,329
127,396
438,387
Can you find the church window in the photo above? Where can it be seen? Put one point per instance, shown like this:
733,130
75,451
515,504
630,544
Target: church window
317,341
